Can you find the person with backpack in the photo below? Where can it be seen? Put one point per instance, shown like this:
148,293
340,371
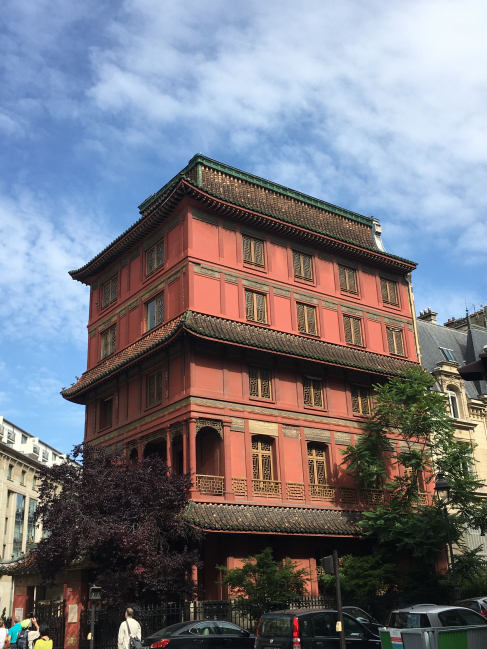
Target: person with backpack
23,635
44,641
129,634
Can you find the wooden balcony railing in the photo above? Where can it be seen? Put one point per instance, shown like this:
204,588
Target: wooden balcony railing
371,496
295,490
239,486
210,484
348,496
322,492
267,488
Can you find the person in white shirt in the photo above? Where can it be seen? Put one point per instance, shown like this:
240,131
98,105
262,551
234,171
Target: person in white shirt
123,633
3,633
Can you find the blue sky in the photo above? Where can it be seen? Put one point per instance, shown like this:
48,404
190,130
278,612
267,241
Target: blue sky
377,107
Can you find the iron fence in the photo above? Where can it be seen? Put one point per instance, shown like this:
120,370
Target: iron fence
157,616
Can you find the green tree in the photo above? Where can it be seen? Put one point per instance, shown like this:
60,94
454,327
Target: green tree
361,576
409,411
264,584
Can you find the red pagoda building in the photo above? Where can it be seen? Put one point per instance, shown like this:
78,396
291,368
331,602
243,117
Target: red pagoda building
236,329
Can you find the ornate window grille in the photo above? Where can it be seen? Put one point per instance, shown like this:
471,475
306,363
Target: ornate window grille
262,462
253,251
353,330
154,257
348,279
303,266
389,291
255,307
360,400
317,464
154,388
260,383
155,312
108,341
395,341
306,319
109,291
313,392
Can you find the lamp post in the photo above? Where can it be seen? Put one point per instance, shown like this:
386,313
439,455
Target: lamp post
442,489
94,596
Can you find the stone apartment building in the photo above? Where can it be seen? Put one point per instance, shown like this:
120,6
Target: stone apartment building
21,457
445,348
236,329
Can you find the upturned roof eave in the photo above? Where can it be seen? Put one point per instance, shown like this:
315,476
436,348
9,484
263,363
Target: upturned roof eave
175,190
76,395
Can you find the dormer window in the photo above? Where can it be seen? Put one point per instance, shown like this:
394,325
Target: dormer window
448,354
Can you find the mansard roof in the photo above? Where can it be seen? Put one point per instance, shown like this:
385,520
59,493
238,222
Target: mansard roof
465,345
242,334
251,199
280,520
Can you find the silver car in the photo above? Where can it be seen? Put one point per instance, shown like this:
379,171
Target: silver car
430,615
478,604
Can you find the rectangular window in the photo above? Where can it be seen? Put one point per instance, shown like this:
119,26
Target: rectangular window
155,312
31,520
260,383
306,319
348,280
108,341
36,450
303,266
313,392
262,465
389,291
54,457
109,291
154,388
360,400
19,526
353,330
22,478
317,464
106,413
253,251
255,307
9,472
5,527
23,439
395,341
4,554
34,483
154,257
9,498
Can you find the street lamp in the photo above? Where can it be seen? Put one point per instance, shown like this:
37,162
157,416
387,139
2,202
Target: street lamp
442,489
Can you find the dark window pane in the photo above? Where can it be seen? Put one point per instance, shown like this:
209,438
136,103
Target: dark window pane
325,625
276,626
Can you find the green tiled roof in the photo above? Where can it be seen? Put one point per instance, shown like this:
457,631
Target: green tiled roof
203,178
239,333
280,520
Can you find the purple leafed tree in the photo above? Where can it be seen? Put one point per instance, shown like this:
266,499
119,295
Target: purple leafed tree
125,522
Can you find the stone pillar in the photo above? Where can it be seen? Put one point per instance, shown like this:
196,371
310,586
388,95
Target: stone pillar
227,454
140,450
76,598
248,459
191,424
185,447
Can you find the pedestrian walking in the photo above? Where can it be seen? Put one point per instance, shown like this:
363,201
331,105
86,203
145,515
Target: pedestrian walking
44,640
14,631
3,633
130,628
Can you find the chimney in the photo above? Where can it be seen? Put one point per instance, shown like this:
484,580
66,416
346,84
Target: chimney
428,316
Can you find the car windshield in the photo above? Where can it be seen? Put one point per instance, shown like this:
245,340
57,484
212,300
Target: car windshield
166,632
461,617
408,620
357,613
271,626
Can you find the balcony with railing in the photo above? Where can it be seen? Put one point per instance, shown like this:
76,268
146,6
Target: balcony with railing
266,488
213,485
322,492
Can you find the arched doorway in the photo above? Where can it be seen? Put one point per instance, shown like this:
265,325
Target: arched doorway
156,447
133,457
209,462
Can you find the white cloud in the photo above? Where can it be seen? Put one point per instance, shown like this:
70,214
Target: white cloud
391,96
40,241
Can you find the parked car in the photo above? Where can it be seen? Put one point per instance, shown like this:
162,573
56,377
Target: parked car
311,630
478,604
208,634
430,615
364,618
